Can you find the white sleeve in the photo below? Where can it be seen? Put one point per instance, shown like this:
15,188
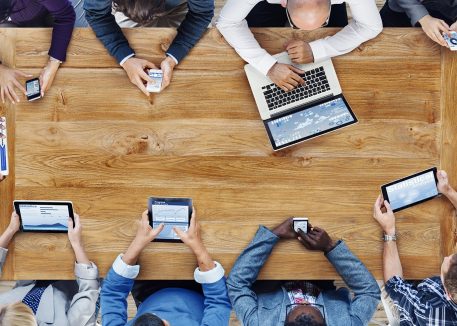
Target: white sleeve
125,270
211,276
233,26
365,25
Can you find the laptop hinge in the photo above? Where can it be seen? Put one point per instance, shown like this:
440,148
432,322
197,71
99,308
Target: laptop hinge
321,99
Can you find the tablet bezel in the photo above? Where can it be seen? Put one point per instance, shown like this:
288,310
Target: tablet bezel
303,108
69,205
386,196
168,200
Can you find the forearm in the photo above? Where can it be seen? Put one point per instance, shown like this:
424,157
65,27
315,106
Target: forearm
6,238
80,254
204,260
391,261
133,253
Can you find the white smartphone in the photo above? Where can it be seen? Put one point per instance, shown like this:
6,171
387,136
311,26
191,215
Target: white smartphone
157,76
300,223
451,40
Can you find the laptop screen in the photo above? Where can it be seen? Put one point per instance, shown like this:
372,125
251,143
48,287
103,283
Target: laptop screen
309,121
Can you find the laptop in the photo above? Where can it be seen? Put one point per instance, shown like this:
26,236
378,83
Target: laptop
308,111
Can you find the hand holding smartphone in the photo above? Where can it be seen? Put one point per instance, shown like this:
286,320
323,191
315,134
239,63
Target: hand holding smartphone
300,223
157,76
33,89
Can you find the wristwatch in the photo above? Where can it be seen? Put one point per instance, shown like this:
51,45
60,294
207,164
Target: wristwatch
390,237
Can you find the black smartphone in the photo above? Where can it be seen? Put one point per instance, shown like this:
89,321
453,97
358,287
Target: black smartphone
33,89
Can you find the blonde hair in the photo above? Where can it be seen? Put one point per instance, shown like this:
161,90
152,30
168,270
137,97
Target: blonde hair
16,314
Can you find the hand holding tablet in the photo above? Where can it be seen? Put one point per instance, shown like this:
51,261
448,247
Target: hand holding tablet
44,216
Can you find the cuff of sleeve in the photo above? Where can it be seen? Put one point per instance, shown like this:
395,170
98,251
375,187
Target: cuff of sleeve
318,49
171,56
57,54
3,253
126,58
392,282
123,53
125,270
211,276
177,51
335,252
85,271
417,14
264,65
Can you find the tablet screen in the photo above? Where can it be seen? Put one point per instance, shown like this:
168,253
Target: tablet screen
309,122
44,217
412,190
172,214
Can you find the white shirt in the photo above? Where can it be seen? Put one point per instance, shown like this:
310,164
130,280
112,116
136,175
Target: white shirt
366,24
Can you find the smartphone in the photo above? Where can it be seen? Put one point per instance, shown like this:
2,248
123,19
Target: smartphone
451,40
33,89
157,76
300,223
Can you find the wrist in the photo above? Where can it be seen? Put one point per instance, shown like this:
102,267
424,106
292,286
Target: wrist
53,64
10,231
389,231
448,191
330,246
170,61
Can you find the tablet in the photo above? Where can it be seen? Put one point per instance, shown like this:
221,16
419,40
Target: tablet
309,121
411,190
44,216
172,212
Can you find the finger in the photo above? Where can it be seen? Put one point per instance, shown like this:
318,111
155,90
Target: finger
146,77
19,85
294,45
297,78
440,38
181,234
310,241
2,94
140,85
304,243
23,74
445,27
145,216
296,70
193,219
288,86
292,82
42,85
158,229
150,65
301,233
70,225
387,205
77,221
13,93
8,95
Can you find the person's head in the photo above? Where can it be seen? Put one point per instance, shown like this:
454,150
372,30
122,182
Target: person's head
449,276
140,11
308,14
148,319
5,10
15,314
305,315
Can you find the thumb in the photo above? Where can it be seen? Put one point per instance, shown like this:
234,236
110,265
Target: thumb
70,224
297,70
157,230
387,205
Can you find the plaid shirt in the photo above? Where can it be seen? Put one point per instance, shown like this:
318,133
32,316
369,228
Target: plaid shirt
425,304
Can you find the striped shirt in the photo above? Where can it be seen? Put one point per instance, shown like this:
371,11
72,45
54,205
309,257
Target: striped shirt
424,304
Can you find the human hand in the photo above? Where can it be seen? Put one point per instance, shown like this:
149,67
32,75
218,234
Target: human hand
74,230
316,239
15,223
285,230
385,219
453,27
434,28
2,177
443,182
299,51
8,80
135,69
191,237
286,76
47,75
145,233
167,66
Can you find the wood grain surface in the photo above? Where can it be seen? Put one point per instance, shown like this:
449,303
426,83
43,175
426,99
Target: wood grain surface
96,140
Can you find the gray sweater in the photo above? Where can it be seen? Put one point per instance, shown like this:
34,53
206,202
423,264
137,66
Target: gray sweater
416,9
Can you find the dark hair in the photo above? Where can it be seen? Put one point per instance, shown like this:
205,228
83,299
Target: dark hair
148,320
450,279
5,10
140,11
305,320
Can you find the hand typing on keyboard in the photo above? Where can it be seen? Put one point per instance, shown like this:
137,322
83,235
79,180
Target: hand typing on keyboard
287,77
299,51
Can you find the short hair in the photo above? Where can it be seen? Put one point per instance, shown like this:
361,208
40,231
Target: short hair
148,319
17,314
305,320
140,11
450,280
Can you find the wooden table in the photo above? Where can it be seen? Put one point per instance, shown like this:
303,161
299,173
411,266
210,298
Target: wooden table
97,140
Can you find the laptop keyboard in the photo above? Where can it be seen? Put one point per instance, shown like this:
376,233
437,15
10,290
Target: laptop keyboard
315,83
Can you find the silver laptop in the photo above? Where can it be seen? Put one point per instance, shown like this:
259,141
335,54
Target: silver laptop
308,111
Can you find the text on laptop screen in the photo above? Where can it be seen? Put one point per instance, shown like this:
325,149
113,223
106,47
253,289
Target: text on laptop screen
412,190
37,217
172,214
310,122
